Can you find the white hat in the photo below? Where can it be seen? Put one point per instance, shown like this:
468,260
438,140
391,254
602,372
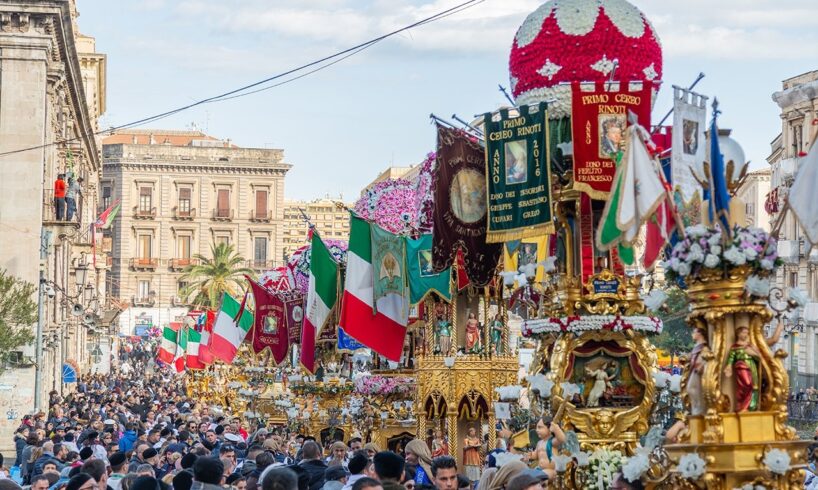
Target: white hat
233,438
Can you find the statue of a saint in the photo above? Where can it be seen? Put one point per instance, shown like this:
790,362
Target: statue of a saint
694,379
497,334
439,445
443,330
471,455
742,365
472,333
601,382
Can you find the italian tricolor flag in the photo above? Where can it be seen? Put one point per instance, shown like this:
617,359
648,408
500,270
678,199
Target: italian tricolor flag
383,331
167,348
192,352
321,298
231,327
181,351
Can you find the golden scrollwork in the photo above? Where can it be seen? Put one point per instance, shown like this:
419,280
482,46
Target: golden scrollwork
606,424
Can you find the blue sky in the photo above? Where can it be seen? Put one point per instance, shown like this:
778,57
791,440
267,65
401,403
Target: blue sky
340,127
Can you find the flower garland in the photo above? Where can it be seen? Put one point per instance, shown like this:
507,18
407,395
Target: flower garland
384,385
321,389
577,40
602,466
579,324
703,249
401,206
299,262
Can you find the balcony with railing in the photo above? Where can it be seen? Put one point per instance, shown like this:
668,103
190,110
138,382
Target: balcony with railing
259,216
140,212
260,265
144,263
50,212
180,264
184,215
144,301
222,215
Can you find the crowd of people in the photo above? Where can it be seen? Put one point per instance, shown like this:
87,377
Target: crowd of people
137,430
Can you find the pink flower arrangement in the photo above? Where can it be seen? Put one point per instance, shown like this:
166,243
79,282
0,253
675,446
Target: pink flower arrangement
401,206
299,262
384,385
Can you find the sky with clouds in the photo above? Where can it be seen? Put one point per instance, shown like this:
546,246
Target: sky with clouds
342,126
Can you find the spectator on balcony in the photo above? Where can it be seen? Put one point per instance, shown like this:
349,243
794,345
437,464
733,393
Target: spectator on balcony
59,197
71,195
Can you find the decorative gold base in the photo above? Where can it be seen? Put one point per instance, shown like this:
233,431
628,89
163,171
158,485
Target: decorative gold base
732,465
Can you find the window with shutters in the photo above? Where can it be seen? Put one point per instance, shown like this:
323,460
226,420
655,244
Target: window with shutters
143,289
261,204
260,252
183,247
184,201
144,244
223,203
222,240
145,199
107,193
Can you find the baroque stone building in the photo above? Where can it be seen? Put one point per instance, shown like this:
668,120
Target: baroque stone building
754,194
798,101
180,193
331,220
52,91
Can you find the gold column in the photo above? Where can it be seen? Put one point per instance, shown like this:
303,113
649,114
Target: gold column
429,329
421,417
492,431
451,417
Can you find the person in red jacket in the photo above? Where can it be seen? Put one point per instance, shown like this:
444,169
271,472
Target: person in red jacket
59,196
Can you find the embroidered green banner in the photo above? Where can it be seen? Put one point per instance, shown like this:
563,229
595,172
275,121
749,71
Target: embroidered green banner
518,174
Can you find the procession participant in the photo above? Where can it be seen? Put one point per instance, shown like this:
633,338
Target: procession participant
389,470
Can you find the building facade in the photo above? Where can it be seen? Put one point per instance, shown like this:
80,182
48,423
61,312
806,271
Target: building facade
181,192
798,101
329,216
753,192
52,91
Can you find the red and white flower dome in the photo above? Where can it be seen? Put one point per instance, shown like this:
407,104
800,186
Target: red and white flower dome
579,40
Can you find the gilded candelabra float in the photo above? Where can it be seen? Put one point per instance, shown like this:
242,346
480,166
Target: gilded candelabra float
466,357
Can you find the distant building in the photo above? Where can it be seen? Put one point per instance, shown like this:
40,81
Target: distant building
799,124
52,91
181,192
754,193
408,173
330,218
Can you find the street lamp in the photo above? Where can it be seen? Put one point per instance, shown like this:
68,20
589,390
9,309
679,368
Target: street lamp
81,274
88,293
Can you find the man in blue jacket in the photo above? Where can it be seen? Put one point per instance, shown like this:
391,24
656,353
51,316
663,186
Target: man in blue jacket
128,439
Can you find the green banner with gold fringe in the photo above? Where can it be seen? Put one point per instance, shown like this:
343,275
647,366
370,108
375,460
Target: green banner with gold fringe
518,174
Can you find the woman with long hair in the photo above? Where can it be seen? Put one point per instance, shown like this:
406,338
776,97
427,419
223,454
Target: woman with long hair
418,454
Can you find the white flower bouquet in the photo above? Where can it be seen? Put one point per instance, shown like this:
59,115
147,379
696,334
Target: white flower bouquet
703,249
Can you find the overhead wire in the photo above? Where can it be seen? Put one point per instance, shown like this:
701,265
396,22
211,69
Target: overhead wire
238,92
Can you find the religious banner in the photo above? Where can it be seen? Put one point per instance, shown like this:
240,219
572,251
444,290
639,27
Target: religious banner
599,118
294,314
270,326
519,175
459,185
422,277
689,113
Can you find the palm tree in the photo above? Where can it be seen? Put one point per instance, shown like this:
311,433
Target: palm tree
210,278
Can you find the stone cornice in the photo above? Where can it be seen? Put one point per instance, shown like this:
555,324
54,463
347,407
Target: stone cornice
215,168
55,17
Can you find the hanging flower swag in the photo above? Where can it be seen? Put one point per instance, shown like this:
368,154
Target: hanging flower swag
579,324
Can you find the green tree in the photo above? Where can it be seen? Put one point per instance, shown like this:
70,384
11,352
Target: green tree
212,277
18,312
675,338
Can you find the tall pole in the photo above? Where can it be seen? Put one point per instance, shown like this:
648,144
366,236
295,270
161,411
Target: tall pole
793,363
38,366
